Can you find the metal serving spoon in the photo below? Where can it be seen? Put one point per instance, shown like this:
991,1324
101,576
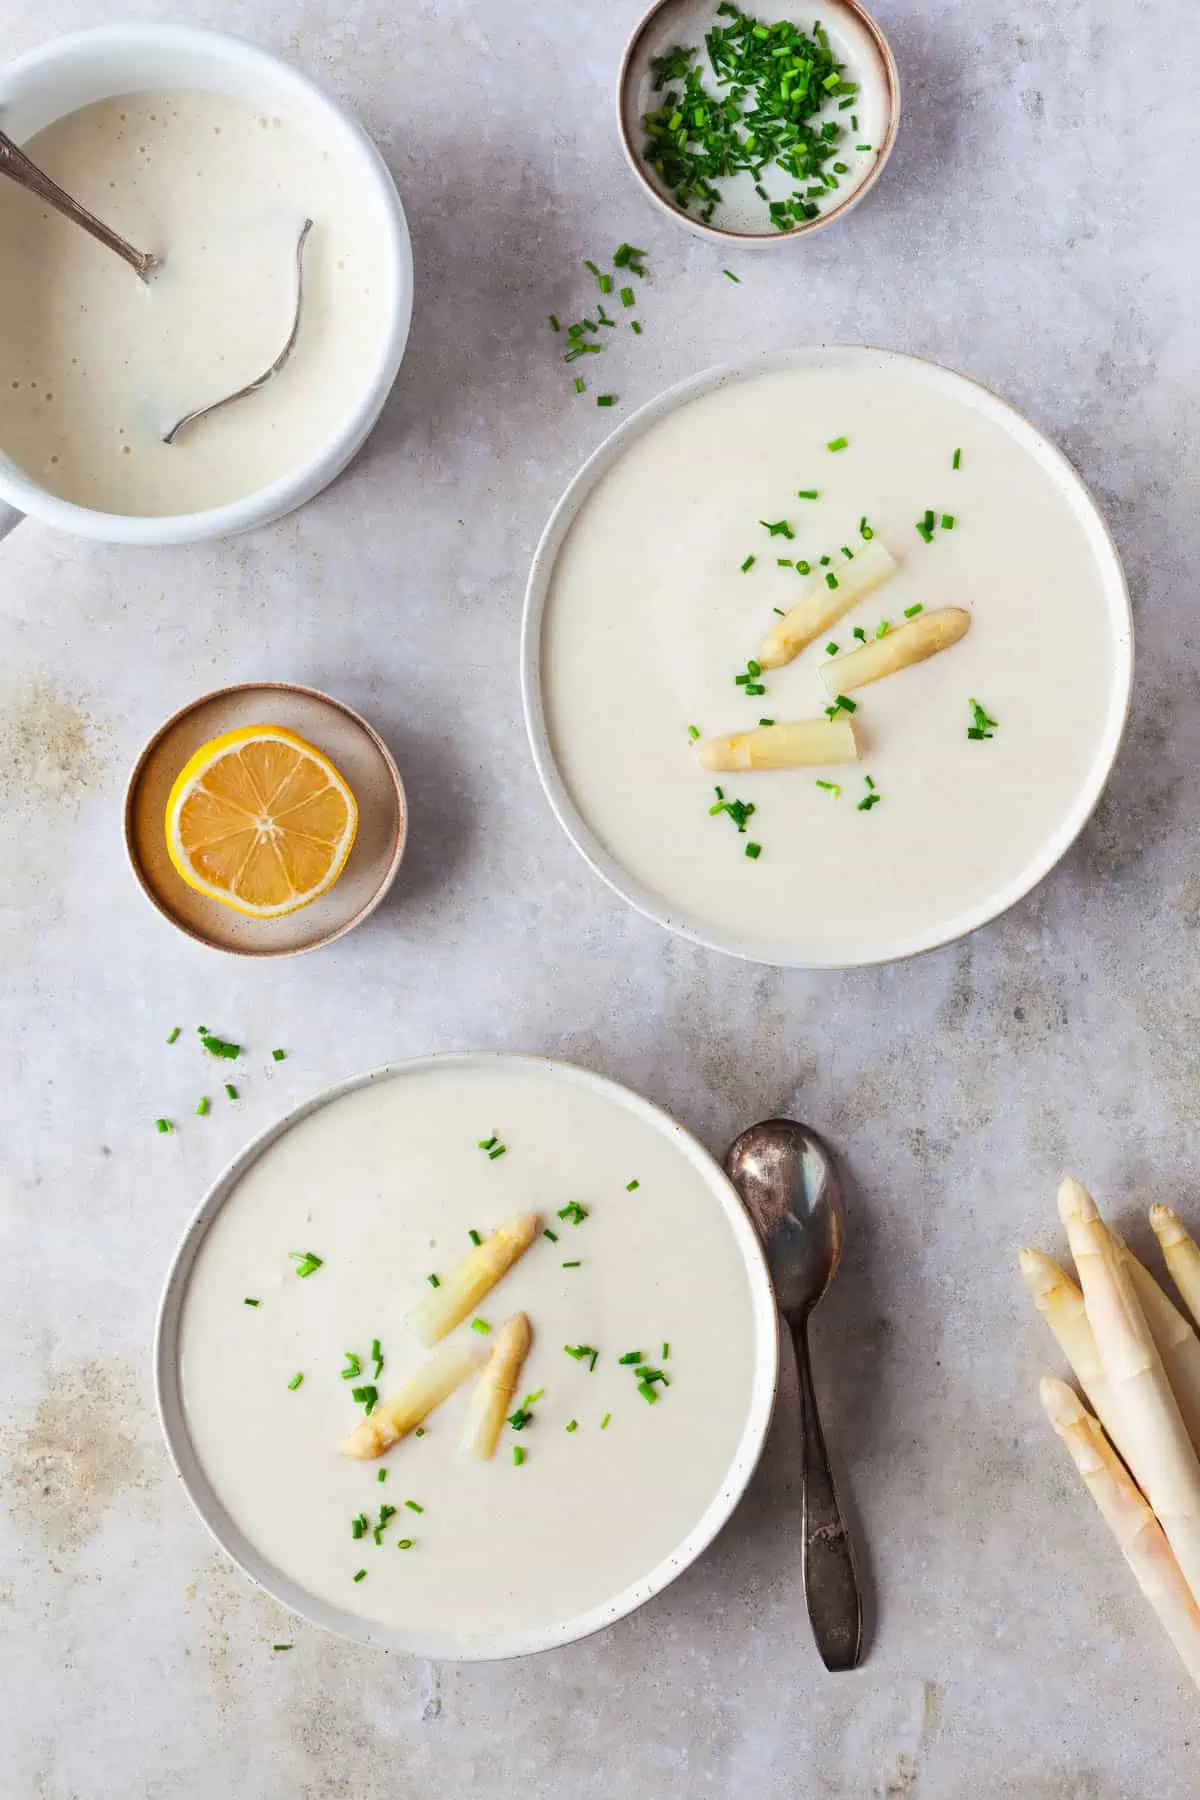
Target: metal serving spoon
787,1182
203,412
15,163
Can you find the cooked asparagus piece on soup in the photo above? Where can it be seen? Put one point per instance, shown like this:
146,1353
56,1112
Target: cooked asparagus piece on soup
1162,1458
790,744
478,1272
434,1381
1137,1531
828,595
496,1386
914,642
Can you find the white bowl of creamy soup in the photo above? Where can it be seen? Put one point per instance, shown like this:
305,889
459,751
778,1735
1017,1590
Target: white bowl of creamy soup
211,154
336,1377
826,658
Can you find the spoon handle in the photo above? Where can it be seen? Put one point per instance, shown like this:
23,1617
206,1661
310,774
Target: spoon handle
15,163
830,1578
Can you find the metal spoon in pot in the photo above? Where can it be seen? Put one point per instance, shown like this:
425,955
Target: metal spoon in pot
15,163
788,1185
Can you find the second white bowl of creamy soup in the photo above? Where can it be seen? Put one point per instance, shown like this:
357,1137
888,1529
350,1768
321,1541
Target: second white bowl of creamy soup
210,153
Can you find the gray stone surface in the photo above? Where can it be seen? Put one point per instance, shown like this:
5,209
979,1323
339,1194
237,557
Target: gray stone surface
1037,229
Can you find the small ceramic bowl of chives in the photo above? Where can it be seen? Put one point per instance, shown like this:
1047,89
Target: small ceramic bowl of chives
775,60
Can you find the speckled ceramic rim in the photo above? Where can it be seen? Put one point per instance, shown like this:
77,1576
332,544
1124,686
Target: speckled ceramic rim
212,51
266,688
606,866
172,1415
758,240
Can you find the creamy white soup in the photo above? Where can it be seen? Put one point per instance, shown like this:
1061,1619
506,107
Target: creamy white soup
382,1188
95,365
670,579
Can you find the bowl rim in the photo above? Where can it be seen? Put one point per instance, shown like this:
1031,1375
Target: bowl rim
267,688
608,867
257,1566
759,240
308,479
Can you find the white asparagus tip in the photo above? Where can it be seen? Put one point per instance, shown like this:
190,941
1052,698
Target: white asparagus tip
1167,1226
1074,1202
496,1387
1041,1274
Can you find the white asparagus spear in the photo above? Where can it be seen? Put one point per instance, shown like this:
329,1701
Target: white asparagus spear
913,642
1182,1254
1137,1531
1177,1343
434,1381
821,606
791,744
1061,1305
469,1280
496,1386
1163,1460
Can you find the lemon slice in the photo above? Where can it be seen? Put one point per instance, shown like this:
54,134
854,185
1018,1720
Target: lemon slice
260,821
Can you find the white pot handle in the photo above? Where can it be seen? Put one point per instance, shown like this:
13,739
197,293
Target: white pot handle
9,517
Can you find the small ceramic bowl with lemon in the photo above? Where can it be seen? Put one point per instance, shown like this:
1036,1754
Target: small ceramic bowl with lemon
265,819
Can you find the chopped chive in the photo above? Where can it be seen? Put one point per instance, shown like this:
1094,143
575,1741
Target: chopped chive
926,531
580,1352
847,553
231,1092
590,266
831,580
376,1358
830,787
646,1390
860,634
353,1368
982,727
635,328
864,146
632,1186
605,1421
592,1361
202,1105
666,1352
573,1211
864,530
730,276
626,296
803,568
693,732
606,399
474,1237
481,1326
870,783
554,324
365,1396
947,521
831,649
173,1034
606,284
881,630
552,1235
404,1543
572,1265
278,1055
574,1425
163,1125
361,1575
784,562
487,1143
766,721
306,1263
282,1646
956,460
382,1475
632,1356
433,1281
843,703
580,384
808,493
754,851
518,1456
777,528
294,1383
219,1046
358,1526
779,610
749,563
413,1506
825,561
420,1431
838,443
500,1150
249,1302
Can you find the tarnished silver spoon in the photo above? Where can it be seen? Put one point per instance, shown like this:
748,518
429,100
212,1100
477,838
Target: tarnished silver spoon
15,163
789,1187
